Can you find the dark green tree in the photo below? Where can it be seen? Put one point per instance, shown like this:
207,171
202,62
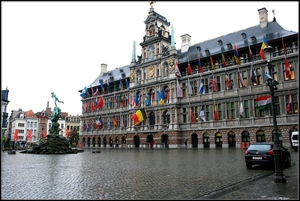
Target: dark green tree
73,137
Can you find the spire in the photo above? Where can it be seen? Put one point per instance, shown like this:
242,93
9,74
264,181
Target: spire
274,19
172,38
133,53
151,4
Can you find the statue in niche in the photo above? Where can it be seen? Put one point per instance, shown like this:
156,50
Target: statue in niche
165,50
171,65
132,77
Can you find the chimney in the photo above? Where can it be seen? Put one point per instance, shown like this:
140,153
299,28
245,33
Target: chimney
263,17
103,69
185,42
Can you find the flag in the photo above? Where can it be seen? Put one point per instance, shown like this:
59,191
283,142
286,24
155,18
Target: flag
161,95
115,121
136,99
250,53
178,90
201,87
96,92
108,123
147,100
289,107
108,85
121,85
92,108
67,132
236,55
135,118
200,68
287,68
213,84
98,124
190,90
139,116
121,122
87,126
216,114
16,135
109,103
212,63
202,115
192,116
133,104
100,103
189,69
253,75
127,84
242,111
223,60
45,134
152,98
263,45
240,77
84,92
177,71
102,87
227,82
264,102
29,135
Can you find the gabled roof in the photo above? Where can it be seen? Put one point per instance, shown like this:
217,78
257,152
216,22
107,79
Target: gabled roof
273,31
30,114
156,16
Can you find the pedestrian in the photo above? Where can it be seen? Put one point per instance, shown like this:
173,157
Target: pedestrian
185,143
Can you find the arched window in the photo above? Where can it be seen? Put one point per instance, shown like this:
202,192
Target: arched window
166,117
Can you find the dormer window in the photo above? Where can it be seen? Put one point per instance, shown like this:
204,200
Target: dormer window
198,48
207,52
229,46
244,36
220,42
253,39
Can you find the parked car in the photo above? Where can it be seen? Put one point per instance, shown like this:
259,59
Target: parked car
294,140
262,153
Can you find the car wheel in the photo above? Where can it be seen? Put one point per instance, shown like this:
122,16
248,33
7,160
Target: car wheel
248,165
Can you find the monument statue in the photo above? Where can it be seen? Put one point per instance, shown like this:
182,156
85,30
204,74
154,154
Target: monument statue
55,98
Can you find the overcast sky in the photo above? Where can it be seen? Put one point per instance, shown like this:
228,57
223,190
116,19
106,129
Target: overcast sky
59,46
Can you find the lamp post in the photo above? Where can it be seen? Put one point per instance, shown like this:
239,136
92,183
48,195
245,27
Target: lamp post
279,176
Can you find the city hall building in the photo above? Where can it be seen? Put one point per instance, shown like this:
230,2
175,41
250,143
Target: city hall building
209,94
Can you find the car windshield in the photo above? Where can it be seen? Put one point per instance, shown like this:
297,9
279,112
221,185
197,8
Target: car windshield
259,147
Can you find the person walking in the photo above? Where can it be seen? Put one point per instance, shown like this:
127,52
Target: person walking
185,143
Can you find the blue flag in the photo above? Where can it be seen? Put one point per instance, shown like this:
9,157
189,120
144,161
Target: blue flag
84,92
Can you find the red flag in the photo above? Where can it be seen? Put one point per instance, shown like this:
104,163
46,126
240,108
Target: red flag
115,121
216,114
213,84
92,108
16,135
227,82
67,132
100,103
189,69
29,135
192,116
177,71
44,134
200,68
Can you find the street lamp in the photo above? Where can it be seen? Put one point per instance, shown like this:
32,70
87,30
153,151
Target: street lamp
279,176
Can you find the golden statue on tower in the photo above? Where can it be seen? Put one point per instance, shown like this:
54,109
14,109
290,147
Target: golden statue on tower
152,3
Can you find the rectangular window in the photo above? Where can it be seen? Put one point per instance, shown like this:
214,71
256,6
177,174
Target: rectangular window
217,79
206,85
246,108
219,108
244,74
21,125
35,124
184,89
184,115
277,106
258,76
230,111
207,113
294,109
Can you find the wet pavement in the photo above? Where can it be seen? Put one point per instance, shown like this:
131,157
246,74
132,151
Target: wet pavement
143,174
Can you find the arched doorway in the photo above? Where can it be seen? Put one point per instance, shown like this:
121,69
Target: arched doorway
260,136
194,140
165,140
231,139
99,141
245,140
117,141
89,142
104,141
136,141
218,140
150,140
123,141
206,140
83,142
94,141
110,141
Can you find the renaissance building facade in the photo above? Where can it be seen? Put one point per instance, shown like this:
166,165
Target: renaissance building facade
209,94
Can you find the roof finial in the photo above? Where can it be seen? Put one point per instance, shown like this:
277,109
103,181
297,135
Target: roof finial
152,3
274,19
